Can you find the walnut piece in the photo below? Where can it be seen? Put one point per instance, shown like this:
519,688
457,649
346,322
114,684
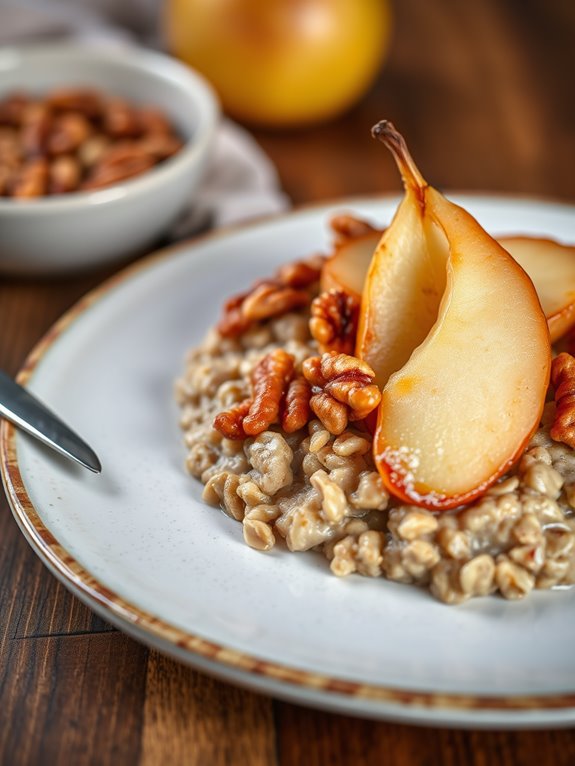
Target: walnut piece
290,288
276,395
342,389
563,380
333,322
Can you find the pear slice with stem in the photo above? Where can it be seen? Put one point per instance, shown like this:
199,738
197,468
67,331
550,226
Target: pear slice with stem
406,277
463,407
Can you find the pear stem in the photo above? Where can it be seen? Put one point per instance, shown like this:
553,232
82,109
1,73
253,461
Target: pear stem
385,132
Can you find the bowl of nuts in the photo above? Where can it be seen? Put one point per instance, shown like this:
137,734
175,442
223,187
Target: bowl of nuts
100,151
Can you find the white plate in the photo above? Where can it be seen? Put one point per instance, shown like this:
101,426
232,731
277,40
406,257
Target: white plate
140,548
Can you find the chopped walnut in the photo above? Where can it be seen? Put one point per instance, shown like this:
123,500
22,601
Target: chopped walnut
333,322
290,289
563,379
342,389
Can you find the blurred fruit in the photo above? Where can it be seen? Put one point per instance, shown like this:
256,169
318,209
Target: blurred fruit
282,62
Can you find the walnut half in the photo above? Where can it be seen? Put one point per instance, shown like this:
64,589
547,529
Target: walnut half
334,319
342,389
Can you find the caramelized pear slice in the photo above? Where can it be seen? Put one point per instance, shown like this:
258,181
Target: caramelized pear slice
405,280
460,411
551,267
347,267
549,264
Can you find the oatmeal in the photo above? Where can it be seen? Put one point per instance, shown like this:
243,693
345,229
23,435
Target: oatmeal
276,421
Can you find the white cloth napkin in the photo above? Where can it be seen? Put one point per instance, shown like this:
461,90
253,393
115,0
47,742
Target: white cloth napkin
240,182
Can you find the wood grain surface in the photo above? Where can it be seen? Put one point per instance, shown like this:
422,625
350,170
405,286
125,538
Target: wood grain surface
484,92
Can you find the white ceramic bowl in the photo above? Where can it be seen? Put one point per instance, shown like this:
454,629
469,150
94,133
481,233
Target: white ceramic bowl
75,231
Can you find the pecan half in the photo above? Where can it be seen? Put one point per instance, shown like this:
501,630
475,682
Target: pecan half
342,389
153,121
270,381
333,322
278,395
64,174
31,180
332,414
296,411
12,108
563,380
83,100
68,133
121,119
272,299
160,146
108,173
301,273
36,126
230,423
103,140
233,323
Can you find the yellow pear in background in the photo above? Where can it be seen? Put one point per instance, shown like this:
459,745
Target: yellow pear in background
280,62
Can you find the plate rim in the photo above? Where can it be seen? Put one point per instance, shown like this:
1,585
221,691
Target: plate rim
157,630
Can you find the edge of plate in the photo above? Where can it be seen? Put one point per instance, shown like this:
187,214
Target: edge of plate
80,581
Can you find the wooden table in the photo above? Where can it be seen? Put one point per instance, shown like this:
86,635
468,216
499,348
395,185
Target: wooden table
484,92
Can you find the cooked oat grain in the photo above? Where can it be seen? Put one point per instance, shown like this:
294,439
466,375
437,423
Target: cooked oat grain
316,490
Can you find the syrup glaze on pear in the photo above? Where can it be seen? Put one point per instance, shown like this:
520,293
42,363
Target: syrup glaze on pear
461,409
